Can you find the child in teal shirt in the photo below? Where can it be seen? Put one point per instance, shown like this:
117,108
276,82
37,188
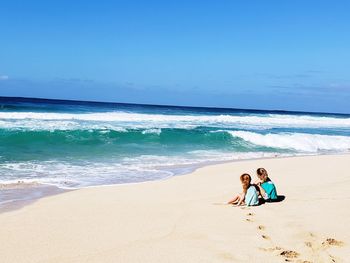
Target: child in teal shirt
266,186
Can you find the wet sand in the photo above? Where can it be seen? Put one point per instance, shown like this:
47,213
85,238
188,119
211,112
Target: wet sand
16,195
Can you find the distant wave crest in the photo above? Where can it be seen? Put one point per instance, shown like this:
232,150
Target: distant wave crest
297,141
119,120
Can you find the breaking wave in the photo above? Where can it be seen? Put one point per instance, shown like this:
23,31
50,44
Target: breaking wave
297,141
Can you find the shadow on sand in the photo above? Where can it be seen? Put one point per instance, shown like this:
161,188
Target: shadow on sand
280,198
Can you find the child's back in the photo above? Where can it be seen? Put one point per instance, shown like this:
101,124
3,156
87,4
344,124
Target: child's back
251,197
270,190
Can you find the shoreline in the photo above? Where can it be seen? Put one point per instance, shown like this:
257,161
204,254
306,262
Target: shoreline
14,191
16,196
184,214
34,191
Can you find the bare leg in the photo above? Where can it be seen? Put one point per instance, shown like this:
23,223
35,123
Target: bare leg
235,200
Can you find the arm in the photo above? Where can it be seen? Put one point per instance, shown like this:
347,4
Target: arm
262,191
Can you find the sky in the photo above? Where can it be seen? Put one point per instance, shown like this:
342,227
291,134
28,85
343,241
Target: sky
288,55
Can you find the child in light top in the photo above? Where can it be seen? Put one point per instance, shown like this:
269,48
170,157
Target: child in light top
266,186
249,196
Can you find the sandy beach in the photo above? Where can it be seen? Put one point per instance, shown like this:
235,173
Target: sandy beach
183,219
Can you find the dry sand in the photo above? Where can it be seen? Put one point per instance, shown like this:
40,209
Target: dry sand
182,219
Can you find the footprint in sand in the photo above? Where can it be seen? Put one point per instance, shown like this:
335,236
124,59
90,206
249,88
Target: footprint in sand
332,242
248,219
333,259
261,227
289,254
308,244
265,237
319,249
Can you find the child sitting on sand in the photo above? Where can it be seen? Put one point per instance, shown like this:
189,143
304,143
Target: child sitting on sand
266,187
249,196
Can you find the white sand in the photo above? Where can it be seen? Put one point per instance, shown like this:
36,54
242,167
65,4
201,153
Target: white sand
179,220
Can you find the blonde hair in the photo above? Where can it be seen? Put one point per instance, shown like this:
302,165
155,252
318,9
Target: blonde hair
261,172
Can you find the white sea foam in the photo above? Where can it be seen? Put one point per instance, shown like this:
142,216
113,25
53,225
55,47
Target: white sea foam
115,120
127,170
297,141
155,131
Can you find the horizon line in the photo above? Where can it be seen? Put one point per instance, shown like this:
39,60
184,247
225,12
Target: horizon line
171,106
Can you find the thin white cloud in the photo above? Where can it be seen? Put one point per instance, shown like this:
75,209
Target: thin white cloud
4,77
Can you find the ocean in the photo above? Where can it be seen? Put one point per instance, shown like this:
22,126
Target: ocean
74,144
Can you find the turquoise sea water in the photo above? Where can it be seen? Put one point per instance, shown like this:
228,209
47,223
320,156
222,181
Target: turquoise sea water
75,144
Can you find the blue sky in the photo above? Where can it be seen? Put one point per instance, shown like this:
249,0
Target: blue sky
292,55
